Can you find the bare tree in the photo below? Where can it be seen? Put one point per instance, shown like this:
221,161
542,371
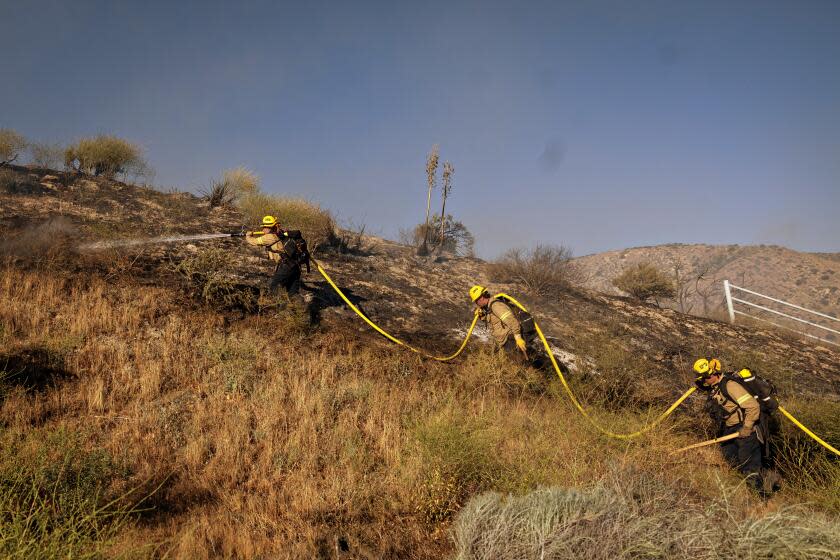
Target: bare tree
448,171
707,284
685,287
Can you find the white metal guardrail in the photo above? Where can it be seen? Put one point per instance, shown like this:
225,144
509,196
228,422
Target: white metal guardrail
728,288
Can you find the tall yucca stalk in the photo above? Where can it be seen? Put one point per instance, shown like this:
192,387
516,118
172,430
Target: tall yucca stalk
431,174
448,171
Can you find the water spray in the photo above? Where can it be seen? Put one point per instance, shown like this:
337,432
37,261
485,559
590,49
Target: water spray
99,245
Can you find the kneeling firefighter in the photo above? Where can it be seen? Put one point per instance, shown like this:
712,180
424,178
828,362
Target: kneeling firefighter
743,403
288,249
512,328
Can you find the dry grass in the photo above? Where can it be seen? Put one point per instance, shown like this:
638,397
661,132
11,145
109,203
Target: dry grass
316,223
283,446
234,184
634,515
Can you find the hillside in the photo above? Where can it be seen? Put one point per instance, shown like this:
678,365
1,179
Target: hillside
810,280
255,436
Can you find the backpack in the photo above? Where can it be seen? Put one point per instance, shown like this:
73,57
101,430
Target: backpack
294,247
762,389
526,320
302,248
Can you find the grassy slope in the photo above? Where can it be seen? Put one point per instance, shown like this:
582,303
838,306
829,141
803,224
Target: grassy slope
263,443
256,439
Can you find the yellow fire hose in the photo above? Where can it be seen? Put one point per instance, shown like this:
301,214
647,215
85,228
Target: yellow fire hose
565,384
576,402
389,336
814,436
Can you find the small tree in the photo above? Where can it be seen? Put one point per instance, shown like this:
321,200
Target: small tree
645,282
104,155
48,156
457,238
11,145
685,287
543,270
448,170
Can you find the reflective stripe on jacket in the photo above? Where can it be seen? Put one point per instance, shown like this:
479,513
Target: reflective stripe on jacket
272,243
502,321
742,409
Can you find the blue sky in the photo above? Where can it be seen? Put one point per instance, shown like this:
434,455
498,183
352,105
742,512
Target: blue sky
599,125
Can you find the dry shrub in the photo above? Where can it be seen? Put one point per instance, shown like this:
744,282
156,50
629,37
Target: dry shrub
645,282
208,272
9,181
457,239
316,223
633,515
104,155
47,156
11,145
234,184
544,270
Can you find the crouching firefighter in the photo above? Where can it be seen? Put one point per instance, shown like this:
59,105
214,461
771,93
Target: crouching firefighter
512,328
287,248
743,403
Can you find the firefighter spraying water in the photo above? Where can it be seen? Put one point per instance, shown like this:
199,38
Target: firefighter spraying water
285,247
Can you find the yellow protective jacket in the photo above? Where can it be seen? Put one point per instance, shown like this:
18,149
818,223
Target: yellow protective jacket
272,242
742,409
501,321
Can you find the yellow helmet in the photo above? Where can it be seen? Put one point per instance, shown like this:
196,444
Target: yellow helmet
269,221
476,292
707,367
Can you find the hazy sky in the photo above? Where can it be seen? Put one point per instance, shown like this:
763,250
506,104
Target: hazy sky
598,124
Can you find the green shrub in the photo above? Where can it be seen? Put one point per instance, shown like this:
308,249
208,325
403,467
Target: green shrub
645,282
544,270
104,155
459,460
55,498
317,224
632,515
11,145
